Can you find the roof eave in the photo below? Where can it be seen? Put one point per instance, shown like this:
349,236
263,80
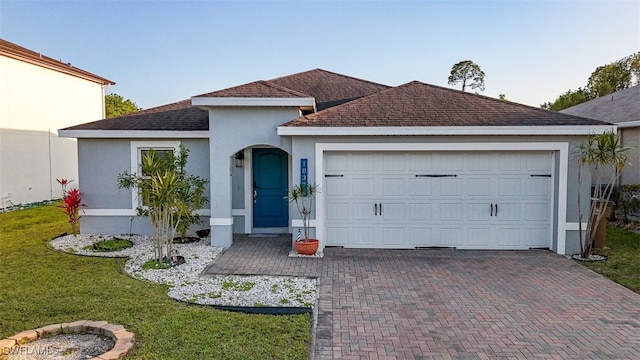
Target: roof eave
444,130
62,68
134,134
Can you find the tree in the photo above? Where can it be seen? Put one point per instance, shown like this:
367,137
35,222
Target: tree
568,99
469,73
604,80
169,197
115,105
598,154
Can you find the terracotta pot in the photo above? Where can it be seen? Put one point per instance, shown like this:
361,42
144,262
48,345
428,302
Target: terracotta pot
306,248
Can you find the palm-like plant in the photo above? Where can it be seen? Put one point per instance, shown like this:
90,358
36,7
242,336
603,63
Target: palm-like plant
168,196
599,153
303,196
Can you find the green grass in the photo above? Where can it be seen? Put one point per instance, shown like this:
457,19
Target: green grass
109,245
623,265
39,286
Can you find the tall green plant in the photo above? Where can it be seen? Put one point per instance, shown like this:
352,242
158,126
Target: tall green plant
303,196
599,154
168,196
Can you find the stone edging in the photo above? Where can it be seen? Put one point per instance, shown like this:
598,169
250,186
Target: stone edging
124,340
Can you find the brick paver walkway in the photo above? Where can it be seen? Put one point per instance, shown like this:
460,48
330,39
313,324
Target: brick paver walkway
446,304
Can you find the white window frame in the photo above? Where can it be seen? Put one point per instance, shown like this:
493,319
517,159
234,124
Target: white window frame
136,159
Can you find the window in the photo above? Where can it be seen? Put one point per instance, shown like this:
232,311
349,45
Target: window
139,149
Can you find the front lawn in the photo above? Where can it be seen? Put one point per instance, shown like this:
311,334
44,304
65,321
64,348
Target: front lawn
623,265
39,286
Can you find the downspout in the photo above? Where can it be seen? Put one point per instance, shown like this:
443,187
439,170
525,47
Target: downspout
50,167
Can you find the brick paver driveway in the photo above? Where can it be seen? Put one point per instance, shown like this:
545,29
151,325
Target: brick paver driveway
446,304
452,304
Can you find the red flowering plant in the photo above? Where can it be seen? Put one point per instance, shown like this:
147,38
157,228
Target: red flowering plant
71,203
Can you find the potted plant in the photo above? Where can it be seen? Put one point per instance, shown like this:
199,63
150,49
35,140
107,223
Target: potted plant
303,195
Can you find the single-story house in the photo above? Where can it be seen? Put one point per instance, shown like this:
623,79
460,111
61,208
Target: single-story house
621,108
410,166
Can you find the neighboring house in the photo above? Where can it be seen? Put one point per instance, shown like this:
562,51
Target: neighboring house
39,95
621,108
410,166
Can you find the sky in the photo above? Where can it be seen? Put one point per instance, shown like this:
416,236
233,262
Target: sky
158,52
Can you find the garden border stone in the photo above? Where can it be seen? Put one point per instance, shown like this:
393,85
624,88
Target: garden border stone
124,339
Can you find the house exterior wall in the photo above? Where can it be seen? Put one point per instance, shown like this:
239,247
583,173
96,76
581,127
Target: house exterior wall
109,209
34,103
233,129
305,147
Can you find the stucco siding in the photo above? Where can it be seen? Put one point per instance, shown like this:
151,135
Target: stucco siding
109,209
34,103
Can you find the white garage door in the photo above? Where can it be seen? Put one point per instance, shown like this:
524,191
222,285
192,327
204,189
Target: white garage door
480,200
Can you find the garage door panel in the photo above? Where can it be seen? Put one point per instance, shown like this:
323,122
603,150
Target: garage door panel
364,186
536,237
393,187
509,162
451,236
393,212
508,211
394,236
363,211
450,212
337,211
450,186
535,162
420,186
420,162
419,236
536,212
479,211
362,162
338,236
536,186
508,237
336,187
509,186
478,186
452,162
363,236
478,237
393,163
420,212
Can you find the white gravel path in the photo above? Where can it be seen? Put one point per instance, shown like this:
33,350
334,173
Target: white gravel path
187,283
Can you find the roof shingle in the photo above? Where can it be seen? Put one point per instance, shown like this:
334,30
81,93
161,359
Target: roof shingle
419,104
619,107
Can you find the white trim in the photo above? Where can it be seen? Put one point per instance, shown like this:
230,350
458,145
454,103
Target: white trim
444,130
127,212
561,147
221,221
251,101
573,226
297,223
627,124
133,134
248,190
108,212
238,212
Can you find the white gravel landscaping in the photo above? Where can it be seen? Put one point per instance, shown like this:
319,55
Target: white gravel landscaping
187,282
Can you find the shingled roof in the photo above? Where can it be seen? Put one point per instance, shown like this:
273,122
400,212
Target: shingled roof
620,107
419,104
17,52
327,88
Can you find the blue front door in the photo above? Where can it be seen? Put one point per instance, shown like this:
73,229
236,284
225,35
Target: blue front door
270,209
